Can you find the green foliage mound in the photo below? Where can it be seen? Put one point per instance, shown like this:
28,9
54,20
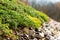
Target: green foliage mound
15,13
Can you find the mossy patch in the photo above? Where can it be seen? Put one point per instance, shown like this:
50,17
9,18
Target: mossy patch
15,13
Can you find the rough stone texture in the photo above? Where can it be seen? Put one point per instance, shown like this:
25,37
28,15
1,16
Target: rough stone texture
49,31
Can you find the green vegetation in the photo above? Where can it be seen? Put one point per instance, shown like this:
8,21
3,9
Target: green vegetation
5,31
14,13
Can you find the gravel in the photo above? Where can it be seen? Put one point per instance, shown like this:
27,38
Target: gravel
49,31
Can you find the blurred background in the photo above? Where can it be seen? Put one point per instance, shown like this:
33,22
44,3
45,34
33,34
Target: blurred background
50,7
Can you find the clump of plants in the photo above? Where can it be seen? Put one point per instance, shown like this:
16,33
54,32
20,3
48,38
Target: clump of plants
15,13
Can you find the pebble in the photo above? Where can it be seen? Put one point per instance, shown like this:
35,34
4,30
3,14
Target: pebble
49,31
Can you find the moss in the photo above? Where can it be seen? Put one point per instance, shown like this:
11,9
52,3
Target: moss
6,31
21,15
14,13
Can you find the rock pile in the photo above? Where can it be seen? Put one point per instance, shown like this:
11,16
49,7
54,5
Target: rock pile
49,31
